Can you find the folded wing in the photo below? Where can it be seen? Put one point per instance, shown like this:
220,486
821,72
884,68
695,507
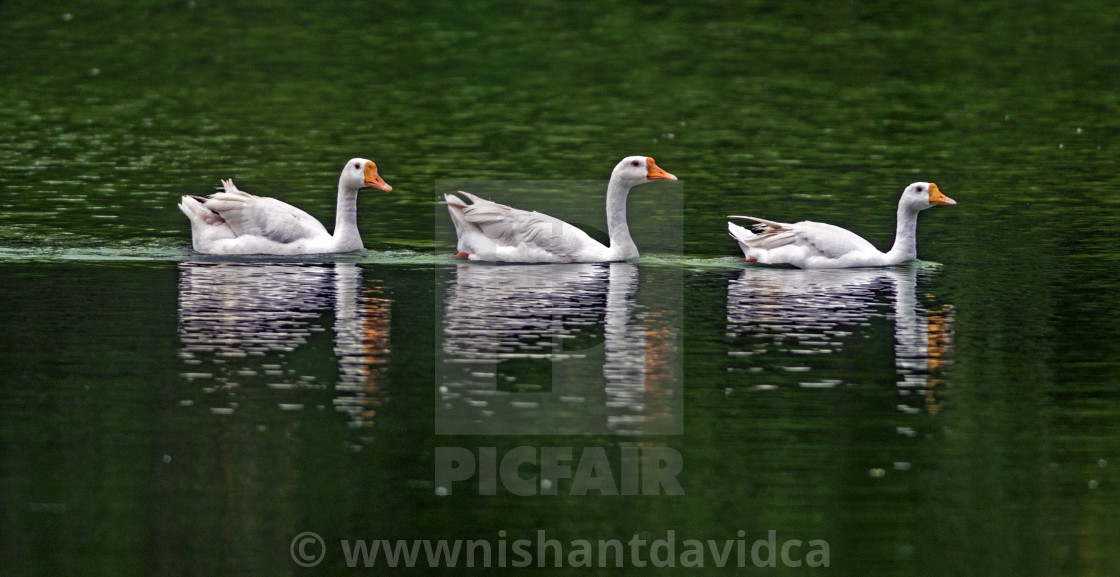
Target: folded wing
814,239
495,231
264,217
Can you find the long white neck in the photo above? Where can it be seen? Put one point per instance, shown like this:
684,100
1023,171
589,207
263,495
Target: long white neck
622,246
346,235
905,236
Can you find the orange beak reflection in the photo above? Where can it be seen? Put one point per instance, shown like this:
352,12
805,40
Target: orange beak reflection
935,196
654,172
374,180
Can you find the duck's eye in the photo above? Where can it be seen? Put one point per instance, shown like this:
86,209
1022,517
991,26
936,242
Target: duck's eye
357,165
921,188
634,163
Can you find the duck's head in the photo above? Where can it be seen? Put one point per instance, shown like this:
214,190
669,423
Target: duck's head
638,169
359,173
922,195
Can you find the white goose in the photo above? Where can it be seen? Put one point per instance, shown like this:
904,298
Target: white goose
809,244
236,222
489,231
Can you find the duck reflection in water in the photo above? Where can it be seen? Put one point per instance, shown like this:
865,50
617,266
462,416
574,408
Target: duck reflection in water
247,329
795,316
555,349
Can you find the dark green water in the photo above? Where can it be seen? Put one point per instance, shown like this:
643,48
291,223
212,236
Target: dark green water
164,413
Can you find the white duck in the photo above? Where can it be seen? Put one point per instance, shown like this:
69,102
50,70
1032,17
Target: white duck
236,222
490,231
809,244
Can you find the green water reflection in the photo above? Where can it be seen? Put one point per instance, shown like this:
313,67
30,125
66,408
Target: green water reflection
162,413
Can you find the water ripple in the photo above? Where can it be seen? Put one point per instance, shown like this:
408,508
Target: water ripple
243,327
555,349
775,316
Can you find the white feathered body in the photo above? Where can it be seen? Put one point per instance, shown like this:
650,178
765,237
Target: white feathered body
236,222
806,244
809,244
490,231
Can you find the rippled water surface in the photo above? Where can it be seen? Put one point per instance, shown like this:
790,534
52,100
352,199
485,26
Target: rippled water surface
164,412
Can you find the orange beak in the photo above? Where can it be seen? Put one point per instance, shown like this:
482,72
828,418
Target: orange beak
935,196
374,180
654,172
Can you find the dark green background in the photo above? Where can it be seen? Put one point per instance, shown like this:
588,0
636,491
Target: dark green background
786,110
